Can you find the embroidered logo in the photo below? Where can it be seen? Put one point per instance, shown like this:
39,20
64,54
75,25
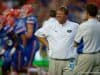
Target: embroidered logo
69,31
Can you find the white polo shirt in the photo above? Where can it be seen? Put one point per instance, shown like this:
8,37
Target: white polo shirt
60,38
50,20
89,32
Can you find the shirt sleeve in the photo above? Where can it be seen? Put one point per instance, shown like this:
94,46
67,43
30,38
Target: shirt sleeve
20,28
79,34
31,20
76,29
8,28
44,31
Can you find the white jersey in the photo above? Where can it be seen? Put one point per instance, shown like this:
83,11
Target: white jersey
60,38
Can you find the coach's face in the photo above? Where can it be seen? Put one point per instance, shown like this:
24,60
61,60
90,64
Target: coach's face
61,16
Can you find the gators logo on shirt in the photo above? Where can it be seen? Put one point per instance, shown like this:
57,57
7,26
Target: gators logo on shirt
69,31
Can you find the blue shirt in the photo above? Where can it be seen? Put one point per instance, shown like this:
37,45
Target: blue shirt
20,26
